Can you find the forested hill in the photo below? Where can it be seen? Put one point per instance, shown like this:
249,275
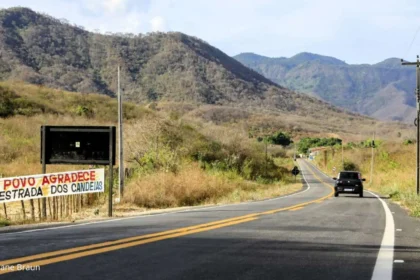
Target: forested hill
384,90
172,66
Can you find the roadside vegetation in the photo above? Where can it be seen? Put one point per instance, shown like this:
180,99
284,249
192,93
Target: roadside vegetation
310,142
183,154
394,170
172,161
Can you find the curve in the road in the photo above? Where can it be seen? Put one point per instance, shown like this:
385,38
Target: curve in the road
83,251
337,239
385,260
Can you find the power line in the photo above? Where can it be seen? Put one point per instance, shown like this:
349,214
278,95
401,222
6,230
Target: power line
408,50
412,42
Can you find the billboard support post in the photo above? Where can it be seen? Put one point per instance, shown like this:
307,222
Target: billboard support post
44,170
111,173
120,141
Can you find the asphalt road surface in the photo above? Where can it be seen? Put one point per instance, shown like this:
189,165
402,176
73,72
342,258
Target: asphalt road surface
306,235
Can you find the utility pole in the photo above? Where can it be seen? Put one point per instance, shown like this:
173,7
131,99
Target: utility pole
342,156
111,172
266,156
325,158
416,122
44,170
371,163
120,140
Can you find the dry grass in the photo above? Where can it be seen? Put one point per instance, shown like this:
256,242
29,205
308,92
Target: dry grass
20,134
312,123
162,149
193,186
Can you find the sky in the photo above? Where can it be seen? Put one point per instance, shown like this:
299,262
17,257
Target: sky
356,31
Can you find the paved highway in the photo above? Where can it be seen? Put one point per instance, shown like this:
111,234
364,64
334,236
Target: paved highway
306,235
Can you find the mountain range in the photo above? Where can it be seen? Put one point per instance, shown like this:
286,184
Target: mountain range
384,90
155,67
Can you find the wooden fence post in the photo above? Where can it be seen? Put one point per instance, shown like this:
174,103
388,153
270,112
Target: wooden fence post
31,201
49,206
61,207
39,209
5,210
23,209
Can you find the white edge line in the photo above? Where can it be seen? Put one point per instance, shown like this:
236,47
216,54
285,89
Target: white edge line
384,261
304,179
153,215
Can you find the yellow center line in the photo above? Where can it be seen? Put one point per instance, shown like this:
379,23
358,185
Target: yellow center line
297,208
83,251
124,240
319,200
125,245
319,179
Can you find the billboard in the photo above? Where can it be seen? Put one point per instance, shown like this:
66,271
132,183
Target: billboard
78,144
53,184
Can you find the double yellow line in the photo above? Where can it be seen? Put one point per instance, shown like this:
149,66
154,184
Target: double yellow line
319,179
83,251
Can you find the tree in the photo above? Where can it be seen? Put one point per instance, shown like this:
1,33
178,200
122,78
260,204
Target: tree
280,138
308,142
152,95
6,103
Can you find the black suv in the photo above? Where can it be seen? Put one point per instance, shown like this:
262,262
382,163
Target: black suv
349,182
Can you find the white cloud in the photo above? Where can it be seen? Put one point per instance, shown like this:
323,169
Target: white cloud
108,6
133,22
158,23
113,6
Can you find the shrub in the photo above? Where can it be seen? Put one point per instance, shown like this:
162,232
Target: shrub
84,111
4,223
6,108
408,142
308,142
6,103
259,168
280,138
351,145
277,152
350,166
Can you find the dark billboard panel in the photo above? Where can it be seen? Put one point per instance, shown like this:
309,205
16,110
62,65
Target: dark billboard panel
78,144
